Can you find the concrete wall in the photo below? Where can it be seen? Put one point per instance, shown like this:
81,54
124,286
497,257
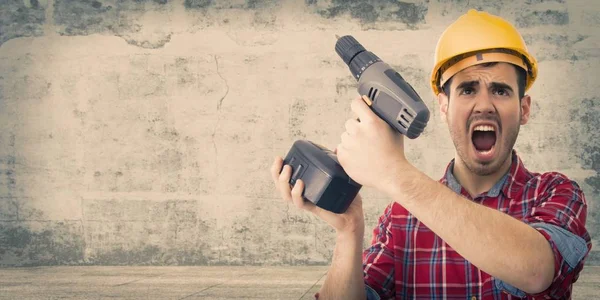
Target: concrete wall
141,132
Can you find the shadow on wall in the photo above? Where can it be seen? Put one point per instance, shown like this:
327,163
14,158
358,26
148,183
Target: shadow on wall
25,18
21,18
587,151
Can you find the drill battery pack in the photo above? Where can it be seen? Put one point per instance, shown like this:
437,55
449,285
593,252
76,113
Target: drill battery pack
326,184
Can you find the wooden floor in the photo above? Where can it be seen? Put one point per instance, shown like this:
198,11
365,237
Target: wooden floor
188,283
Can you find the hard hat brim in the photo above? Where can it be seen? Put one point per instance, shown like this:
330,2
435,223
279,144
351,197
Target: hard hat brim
480,58
461,62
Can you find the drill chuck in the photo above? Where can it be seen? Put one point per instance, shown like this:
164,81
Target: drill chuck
355,55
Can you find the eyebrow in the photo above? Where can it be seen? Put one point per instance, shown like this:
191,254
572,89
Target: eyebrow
475,83
467,84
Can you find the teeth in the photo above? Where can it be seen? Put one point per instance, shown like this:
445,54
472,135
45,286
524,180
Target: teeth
483,128
486,152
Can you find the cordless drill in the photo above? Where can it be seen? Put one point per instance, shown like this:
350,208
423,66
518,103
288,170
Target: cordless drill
326,184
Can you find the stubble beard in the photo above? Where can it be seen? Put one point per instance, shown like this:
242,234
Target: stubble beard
461,144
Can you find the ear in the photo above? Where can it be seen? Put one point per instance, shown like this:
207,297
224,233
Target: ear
443,102
525,109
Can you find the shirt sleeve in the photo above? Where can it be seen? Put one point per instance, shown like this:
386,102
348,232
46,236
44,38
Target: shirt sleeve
378,260
560,215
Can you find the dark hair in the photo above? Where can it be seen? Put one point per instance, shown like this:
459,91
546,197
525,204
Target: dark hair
521,80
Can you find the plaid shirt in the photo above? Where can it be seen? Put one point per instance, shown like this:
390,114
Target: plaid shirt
408,261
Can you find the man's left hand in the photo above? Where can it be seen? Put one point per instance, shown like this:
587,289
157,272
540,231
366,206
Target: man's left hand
371,152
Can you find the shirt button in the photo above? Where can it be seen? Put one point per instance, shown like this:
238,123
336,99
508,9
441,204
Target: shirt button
473,298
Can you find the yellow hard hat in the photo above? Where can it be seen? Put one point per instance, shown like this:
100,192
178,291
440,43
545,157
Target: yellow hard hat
475,38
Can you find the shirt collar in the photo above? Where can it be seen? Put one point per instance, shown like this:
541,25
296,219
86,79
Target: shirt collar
509,184
518,176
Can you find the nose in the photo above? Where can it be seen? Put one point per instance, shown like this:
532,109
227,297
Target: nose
484,104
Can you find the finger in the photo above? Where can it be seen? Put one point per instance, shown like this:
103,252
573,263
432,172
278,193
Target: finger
355,116
335,151
349,141
297,194
284,183
351,126
339,148
276,168
297,198
345,137
362,110
341,153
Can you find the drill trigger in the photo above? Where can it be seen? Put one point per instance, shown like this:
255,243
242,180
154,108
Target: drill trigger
367,100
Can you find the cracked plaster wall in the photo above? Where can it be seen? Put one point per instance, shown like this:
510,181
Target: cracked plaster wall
141,131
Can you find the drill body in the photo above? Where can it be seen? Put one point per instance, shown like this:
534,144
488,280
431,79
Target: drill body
393,99
389,96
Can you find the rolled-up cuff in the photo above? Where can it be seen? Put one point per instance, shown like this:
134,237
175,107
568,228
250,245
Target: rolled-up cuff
571,247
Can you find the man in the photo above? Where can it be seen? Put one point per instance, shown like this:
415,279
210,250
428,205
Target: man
490,228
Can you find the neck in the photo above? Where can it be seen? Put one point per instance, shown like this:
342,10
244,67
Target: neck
478,184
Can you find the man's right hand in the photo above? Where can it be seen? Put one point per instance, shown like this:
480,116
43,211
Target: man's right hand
350,222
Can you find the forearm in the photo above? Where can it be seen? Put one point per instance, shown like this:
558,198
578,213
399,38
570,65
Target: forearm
345,275
496,243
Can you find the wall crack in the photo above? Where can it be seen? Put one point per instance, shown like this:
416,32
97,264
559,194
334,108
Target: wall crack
224,80
219,104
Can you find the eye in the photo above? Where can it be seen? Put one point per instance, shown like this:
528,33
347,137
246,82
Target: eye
467,91
501,92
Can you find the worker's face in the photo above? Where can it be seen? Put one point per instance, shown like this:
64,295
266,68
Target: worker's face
484,114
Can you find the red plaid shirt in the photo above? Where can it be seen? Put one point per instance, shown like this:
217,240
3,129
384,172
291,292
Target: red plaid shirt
408,261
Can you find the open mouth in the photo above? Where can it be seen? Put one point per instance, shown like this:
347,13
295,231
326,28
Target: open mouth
484,139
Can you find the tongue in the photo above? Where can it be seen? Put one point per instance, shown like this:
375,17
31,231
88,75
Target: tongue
484,140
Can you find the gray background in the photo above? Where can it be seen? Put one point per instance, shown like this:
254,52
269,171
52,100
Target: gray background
141,132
